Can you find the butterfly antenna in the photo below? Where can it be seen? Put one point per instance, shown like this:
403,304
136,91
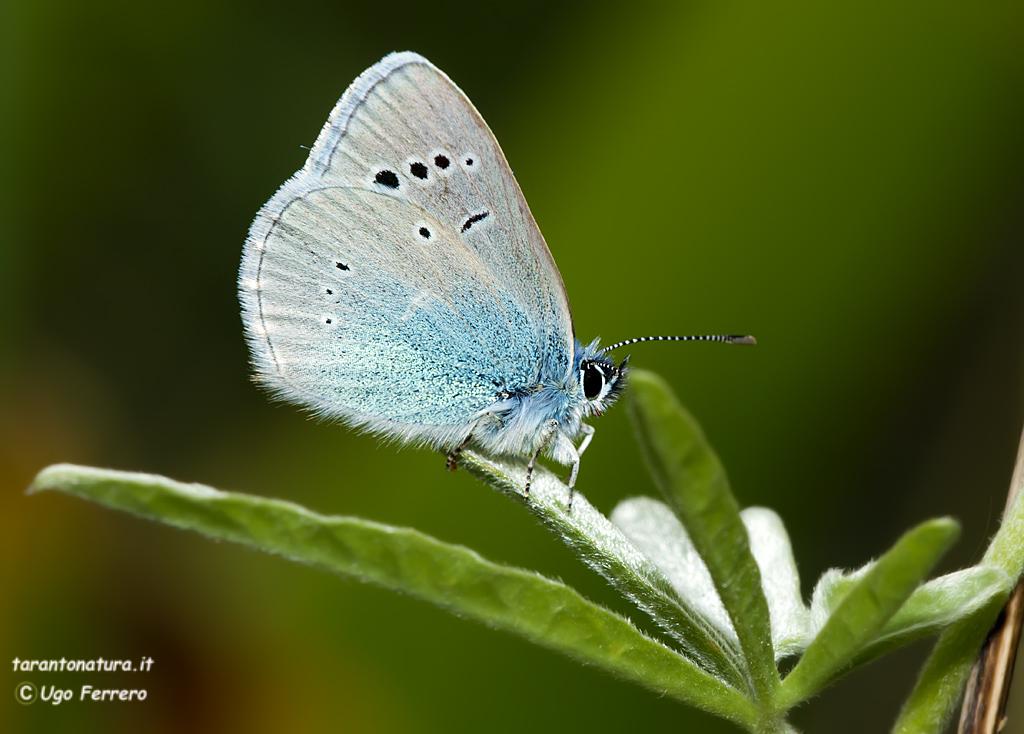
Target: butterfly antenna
725,339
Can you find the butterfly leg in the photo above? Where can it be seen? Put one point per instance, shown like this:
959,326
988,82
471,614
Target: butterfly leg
451,463
545,438
570,480
588,434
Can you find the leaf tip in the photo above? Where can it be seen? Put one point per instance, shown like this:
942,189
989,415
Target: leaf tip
52,477
947,528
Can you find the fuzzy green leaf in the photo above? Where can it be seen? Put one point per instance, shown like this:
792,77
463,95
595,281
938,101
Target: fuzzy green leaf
693,481
769,542
657,532
455,578
931,609
866,608
941,683
606,549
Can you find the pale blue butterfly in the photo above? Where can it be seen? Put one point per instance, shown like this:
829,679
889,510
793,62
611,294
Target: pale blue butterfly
398,282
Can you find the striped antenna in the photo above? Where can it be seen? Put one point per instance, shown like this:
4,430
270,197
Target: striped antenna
725,339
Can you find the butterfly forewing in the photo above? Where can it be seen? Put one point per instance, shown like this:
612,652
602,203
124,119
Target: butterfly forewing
450,164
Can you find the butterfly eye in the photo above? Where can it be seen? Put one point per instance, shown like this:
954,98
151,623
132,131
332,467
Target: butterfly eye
593,380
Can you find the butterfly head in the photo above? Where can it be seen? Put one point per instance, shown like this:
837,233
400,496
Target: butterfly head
601,380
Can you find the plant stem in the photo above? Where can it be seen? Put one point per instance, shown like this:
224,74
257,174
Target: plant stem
984,703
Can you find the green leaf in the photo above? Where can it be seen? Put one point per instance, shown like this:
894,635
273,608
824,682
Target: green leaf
932,702
769,543
693,482
942,680
658,533
931,609
606,549
455,578
866,608
655,530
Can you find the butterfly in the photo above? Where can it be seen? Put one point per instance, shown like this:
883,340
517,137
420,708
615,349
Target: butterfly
398,282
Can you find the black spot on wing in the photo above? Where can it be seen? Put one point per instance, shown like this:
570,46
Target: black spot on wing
387,178
418,170
441,161
474,219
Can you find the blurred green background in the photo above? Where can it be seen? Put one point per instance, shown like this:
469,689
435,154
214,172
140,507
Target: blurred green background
844,181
